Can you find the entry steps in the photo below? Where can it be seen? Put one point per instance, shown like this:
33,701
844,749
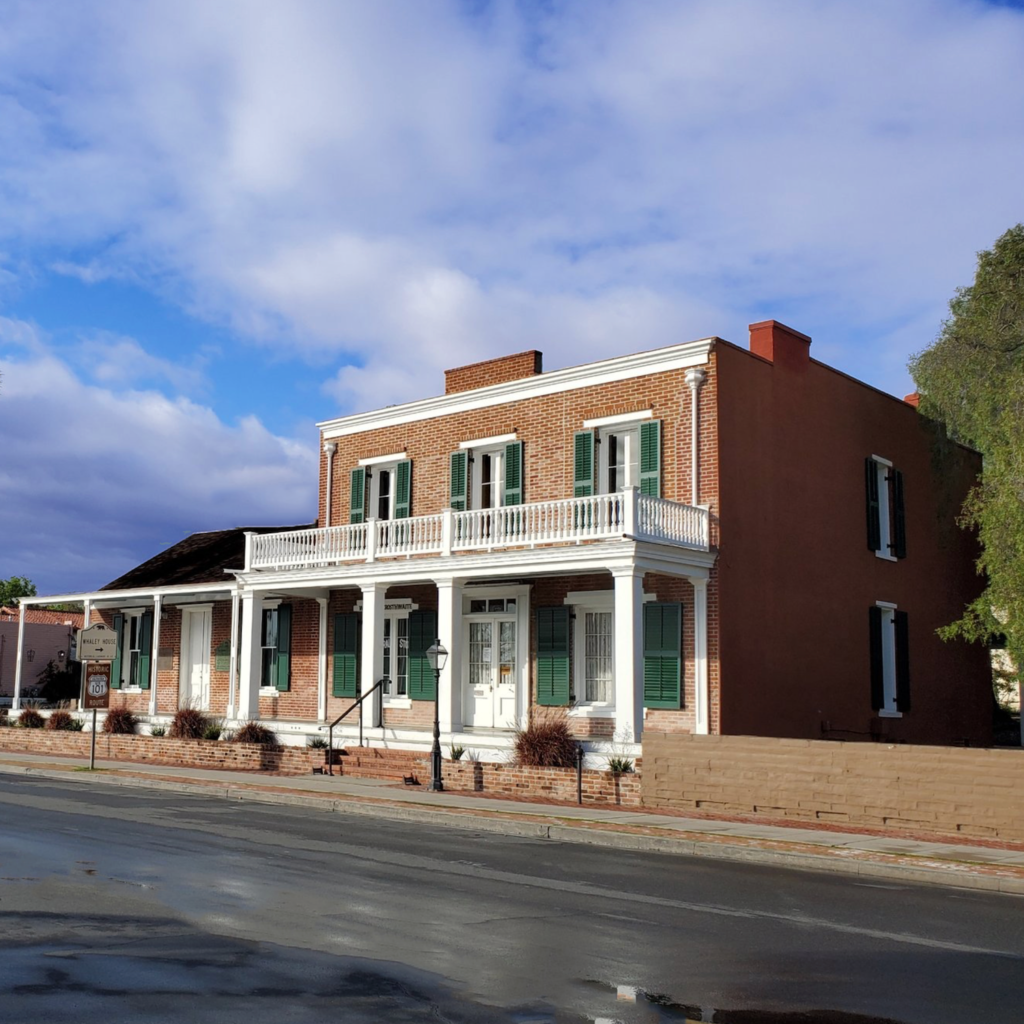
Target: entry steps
379,763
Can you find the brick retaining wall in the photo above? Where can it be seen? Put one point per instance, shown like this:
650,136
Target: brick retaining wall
954,790
243,757
536,783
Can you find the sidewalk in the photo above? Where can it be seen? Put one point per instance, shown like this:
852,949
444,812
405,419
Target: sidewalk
991,866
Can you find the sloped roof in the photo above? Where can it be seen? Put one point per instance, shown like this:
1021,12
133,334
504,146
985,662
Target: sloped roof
43,616
199,558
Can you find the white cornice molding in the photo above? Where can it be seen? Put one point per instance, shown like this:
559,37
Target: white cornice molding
641,364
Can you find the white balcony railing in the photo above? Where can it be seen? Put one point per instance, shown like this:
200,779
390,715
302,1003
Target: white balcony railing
569,521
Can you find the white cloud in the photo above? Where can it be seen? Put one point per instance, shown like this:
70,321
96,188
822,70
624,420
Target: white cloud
97,479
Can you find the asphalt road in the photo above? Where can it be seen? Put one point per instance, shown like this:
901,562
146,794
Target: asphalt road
135,905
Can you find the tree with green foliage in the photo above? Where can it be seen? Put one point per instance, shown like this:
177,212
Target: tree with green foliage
15,587
971,380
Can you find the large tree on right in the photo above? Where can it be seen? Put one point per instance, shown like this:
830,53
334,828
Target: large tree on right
971,381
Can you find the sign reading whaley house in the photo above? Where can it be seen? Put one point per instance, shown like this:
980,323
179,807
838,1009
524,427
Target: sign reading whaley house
97,643
96,688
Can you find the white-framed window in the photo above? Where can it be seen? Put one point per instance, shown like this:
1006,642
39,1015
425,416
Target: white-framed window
396,655
131,647
487,477
885,509
269,636
383,490
618,461
890,660
593,650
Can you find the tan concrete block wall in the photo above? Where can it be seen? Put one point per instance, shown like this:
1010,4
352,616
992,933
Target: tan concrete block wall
948,790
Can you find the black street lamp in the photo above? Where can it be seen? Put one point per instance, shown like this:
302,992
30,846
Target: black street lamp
437,656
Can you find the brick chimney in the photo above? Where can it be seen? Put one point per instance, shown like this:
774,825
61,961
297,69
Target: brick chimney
493,371
913,399
780,344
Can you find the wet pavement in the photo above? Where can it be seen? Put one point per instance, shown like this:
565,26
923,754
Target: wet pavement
141,906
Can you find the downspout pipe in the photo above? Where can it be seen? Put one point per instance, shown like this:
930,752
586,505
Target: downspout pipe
330,447
695,378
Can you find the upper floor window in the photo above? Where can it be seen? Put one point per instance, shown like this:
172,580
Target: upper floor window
617,454
487,473
381,488
887,534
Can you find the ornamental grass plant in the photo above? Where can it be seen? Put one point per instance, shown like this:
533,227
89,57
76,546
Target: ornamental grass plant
189,724
546,742
119,722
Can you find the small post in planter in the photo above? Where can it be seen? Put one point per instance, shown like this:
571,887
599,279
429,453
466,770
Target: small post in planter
579,773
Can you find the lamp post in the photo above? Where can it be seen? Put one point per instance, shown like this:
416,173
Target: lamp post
437,656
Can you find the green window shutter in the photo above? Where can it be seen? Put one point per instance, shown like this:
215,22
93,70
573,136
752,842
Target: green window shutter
650,458
422,634
514,473
222,656
115,667
902,661
357,500
457,493
583,464
899,532
871,490
345,681
145,649
403,489
553,656
282,678
877,669
663,655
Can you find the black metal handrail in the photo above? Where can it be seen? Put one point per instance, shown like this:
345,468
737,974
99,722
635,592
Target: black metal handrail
348,711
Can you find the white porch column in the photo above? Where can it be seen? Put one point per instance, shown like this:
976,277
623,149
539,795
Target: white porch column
449,632
233,657
629,651
16,701
322,670
251,661
154,654
373,643
702,721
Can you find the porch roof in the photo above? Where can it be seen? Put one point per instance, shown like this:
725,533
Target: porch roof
199,558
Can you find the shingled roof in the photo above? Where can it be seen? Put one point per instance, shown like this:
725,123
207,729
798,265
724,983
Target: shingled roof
199,558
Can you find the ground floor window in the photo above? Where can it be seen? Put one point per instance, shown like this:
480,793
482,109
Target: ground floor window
268,641
396,655
597,656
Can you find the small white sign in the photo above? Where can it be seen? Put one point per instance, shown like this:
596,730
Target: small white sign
97,643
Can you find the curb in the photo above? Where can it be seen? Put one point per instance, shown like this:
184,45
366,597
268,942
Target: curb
894,867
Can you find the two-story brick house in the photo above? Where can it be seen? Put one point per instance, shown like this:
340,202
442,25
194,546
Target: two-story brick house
700,538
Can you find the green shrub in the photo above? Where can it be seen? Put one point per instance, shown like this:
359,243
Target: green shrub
546,743
316,743
189,724
158,730
64,721
254,732
31,719
119,722
456,752
212,731
620,765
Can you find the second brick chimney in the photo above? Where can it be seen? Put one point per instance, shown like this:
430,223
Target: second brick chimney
780,344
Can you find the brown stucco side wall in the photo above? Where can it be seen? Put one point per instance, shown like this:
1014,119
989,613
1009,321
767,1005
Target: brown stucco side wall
797,578
919,788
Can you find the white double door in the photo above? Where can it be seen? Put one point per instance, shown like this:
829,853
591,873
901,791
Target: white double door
490,679
194,691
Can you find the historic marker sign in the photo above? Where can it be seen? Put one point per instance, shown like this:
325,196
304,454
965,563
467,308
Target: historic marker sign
96,691
97,643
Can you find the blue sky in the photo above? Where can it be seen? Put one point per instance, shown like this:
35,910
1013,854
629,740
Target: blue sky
220,223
